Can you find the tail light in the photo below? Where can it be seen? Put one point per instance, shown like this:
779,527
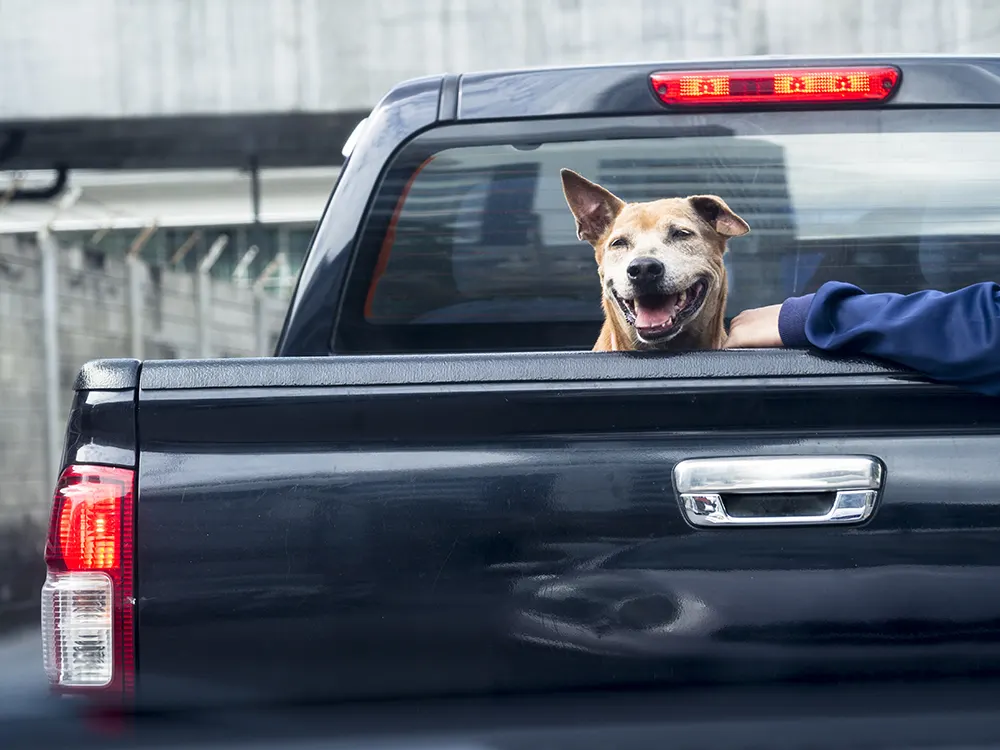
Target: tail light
714,88
88,596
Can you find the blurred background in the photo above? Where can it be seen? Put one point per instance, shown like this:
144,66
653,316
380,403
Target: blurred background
163,163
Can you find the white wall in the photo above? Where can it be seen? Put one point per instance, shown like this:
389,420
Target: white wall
116,58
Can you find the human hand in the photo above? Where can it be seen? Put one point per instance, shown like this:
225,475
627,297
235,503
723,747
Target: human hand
755,329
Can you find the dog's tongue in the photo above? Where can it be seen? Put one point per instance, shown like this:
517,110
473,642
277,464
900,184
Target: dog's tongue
655,311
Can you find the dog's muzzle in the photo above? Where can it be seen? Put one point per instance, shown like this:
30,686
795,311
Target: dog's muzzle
655,313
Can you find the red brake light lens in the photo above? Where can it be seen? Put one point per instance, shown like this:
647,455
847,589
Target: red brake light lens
88,597
713,88
87,520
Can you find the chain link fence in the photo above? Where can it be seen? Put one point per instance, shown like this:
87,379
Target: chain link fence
61,306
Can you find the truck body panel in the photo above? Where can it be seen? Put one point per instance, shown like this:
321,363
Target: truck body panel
315,530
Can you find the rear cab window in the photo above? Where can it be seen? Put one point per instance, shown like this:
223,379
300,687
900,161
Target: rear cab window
469,245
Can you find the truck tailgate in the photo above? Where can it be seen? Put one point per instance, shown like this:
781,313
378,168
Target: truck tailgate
375,527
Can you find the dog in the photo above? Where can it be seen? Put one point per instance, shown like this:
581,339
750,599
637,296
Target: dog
660,265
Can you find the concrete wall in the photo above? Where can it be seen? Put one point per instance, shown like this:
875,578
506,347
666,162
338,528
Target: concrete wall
116,58
94,322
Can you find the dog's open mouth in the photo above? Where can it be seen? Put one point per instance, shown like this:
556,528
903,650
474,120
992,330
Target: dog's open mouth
657,316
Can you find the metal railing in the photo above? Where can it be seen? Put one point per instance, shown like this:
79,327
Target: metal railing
61,306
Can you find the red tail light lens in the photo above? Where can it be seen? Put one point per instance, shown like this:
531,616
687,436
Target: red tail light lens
87,600
89,522
708,88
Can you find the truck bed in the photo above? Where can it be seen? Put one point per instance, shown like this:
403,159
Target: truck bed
314,530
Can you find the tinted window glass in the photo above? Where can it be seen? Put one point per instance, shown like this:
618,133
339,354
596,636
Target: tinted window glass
481,235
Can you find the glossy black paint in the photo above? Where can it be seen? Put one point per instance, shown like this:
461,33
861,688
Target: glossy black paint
597,91
404,112
101,425
625,89
346,536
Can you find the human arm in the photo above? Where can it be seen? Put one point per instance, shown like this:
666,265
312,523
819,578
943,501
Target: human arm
951,337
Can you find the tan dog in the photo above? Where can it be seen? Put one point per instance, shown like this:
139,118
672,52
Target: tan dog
660,265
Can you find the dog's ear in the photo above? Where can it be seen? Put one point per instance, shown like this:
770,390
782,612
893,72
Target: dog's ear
594,207
719,216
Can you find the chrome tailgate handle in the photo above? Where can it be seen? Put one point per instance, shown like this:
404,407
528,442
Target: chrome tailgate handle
807,490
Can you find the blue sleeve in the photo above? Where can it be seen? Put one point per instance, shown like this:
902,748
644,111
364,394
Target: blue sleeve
953,337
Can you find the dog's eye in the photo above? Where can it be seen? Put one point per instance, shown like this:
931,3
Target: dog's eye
619,242
678,234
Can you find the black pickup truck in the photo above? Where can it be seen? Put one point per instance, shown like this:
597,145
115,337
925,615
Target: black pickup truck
435,489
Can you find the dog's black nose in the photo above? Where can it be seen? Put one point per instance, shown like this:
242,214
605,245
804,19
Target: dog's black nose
645,270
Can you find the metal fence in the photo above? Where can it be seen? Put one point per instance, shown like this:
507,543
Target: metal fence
61,306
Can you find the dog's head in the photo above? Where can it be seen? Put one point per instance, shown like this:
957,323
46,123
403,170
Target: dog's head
660,262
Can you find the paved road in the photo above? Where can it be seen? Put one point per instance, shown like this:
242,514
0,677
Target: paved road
22,682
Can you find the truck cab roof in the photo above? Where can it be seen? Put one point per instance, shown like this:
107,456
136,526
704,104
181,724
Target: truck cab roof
620,89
